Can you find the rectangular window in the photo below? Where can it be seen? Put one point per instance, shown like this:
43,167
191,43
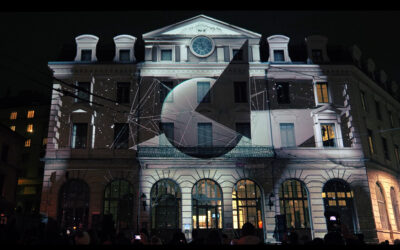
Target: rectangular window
166,55
168,129
31,114
240,89
83,90
204,134
378,110
27,143
385,148
237,54
279,56
13,115
44,142
288,138
363,101
243,128
203,92
123,92
322,92
121,136
316,55
370,142
79,135
282,92
86,55
328,135
124,55
12,127
29,128
396,154
165,92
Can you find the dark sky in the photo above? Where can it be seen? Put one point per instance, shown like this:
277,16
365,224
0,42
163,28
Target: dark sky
30,39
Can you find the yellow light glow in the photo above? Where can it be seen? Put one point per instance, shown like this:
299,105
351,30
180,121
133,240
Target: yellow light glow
12,128
13,115
29,128
31,114
28,143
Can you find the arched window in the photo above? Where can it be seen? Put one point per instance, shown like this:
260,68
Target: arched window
207,205
246,204
73,203
338,203
118,201
293,200
380,198
166,205
395,206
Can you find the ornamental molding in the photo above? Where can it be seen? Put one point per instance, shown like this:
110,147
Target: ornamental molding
201,28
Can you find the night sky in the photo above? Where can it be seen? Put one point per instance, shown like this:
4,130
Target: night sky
30,39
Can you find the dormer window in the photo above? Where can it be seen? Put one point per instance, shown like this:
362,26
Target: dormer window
279,56
86,48
316,49
317,55
278,48
166,55
124,45
86,55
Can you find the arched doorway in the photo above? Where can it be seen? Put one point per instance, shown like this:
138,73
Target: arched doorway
206,207
166,212
118,202
294,208
380,199
247,206
73,204
339,205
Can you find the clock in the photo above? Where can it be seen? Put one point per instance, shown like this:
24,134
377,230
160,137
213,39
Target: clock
202,46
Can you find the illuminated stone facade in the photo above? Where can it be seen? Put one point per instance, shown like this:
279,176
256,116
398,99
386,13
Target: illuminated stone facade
305,134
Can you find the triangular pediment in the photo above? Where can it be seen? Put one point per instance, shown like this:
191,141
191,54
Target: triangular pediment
201,25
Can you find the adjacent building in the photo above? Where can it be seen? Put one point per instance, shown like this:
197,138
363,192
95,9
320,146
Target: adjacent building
203,134
27,115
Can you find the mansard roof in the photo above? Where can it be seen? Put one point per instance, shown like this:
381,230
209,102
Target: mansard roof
201,25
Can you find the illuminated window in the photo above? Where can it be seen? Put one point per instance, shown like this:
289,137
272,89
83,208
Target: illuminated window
45,141
207,205
28,143
328,135
13,115
12,128
246,204
31,114
322,92
293,200
29,128
396,154
370,142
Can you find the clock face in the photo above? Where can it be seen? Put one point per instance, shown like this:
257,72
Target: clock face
202,46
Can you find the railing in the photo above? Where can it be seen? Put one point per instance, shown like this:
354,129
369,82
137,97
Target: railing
205,152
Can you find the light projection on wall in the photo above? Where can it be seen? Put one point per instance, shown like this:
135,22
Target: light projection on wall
201,117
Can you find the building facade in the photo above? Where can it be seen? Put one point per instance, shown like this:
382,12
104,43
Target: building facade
27,115
205,135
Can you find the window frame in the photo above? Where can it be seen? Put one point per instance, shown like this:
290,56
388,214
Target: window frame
286,86
166,47
274,51
238,96
73,139
123,96
317,102
281,135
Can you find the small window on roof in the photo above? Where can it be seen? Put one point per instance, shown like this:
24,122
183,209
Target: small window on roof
279,56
